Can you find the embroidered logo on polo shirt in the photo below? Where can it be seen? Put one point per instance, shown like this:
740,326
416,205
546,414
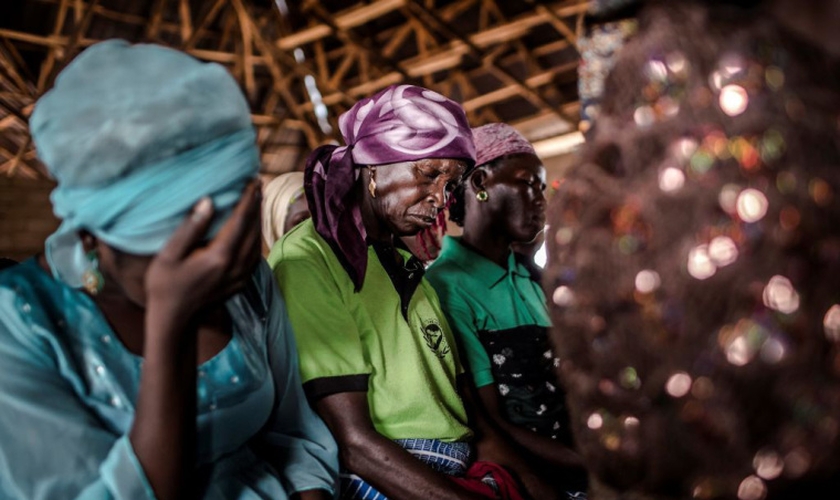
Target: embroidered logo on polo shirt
433,335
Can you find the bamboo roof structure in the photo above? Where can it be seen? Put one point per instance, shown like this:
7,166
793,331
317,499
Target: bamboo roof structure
302,63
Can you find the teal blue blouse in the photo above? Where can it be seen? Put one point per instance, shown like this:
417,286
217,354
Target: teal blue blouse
68,388
477,294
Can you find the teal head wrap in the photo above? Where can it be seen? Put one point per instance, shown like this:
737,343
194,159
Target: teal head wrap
135,135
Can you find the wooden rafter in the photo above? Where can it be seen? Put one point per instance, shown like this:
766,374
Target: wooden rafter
478,51
349,19
502,73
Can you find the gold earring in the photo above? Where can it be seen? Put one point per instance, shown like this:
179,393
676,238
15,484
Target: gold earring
372,182
92,279
482,196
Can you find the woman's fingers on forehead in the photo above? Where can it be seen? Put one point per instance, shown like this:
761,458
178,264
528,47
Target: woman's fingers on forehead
236,229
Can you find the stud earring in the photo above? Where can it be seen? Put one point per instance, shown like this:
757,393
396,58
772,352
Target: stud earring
92,279
372,183
482,196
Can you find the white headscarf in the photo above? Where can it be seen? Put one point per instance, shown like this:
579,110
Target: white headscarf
278,195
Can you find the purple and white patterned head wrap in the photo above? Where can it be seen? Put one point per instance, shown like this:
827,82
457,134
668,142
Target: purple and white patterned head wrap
399,123
498,139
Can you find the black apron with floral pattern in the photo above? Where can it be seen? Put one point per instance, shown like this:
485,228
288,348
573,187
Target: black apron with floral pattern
523,366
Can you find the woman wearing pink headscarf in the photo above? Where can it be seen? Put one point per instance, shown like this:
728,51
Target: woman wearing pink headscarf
378,359
496,309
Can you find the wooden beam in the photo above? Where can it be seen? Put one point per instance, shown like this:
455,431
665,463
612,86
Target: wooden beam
546,121
342,69
370,87
550,48
7,122
364,13
504,93
396,41
520,26
279,88
437,60
502,33
206,19
11,73
513,89
185,16
364,44
461,78
16,161
392,38
297,68
451,54
49,61
79,7
508,77
343,20
16,59
246,28
279,58
67,52
58,41
447,58
155,19
555,20
321,61
440,60
485,99
13,110
418,67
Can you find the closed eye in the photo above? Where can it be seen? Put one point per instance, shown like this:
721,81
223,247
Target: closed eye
430,175
536,183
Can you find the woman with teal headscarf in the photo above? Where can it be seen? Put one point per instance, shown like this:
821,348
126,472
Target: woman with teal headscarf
147,353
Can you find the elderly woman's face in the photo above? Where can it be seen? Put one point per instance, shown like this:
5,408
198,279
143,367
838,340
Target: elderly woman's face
410,195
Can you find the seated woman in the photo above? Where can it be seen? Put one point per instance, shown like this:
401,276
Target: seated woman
284,206
377,355
148,354
495,308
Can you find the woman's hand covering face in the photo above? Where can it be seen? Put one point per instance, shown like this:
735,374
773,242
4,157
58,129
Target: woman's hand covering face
188,276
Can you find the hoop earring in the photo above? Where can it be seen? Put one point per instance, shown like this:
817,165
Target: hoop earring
372,182
92,279
482,196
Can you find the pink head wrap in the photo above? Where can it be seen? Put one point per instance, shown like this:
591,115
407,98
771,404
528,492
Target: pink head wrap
498,139
399,123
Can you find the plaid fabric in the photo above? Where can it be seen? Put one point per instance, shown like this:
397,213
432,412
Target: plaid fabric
448,458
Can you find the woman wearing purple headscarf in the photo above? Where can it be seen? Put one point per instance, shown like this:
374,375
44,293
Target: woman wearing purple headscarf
377,357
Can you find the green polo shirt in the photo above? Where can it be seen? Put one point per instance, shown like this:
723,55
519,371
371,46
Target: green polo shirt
477,294
360,341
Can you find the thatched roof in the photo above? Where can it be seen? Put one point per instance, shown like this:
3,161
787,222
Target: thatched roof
301,64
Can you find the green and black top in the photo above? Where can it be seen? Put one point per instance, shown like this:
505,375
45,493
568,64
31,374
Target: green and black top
390,338
500,318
